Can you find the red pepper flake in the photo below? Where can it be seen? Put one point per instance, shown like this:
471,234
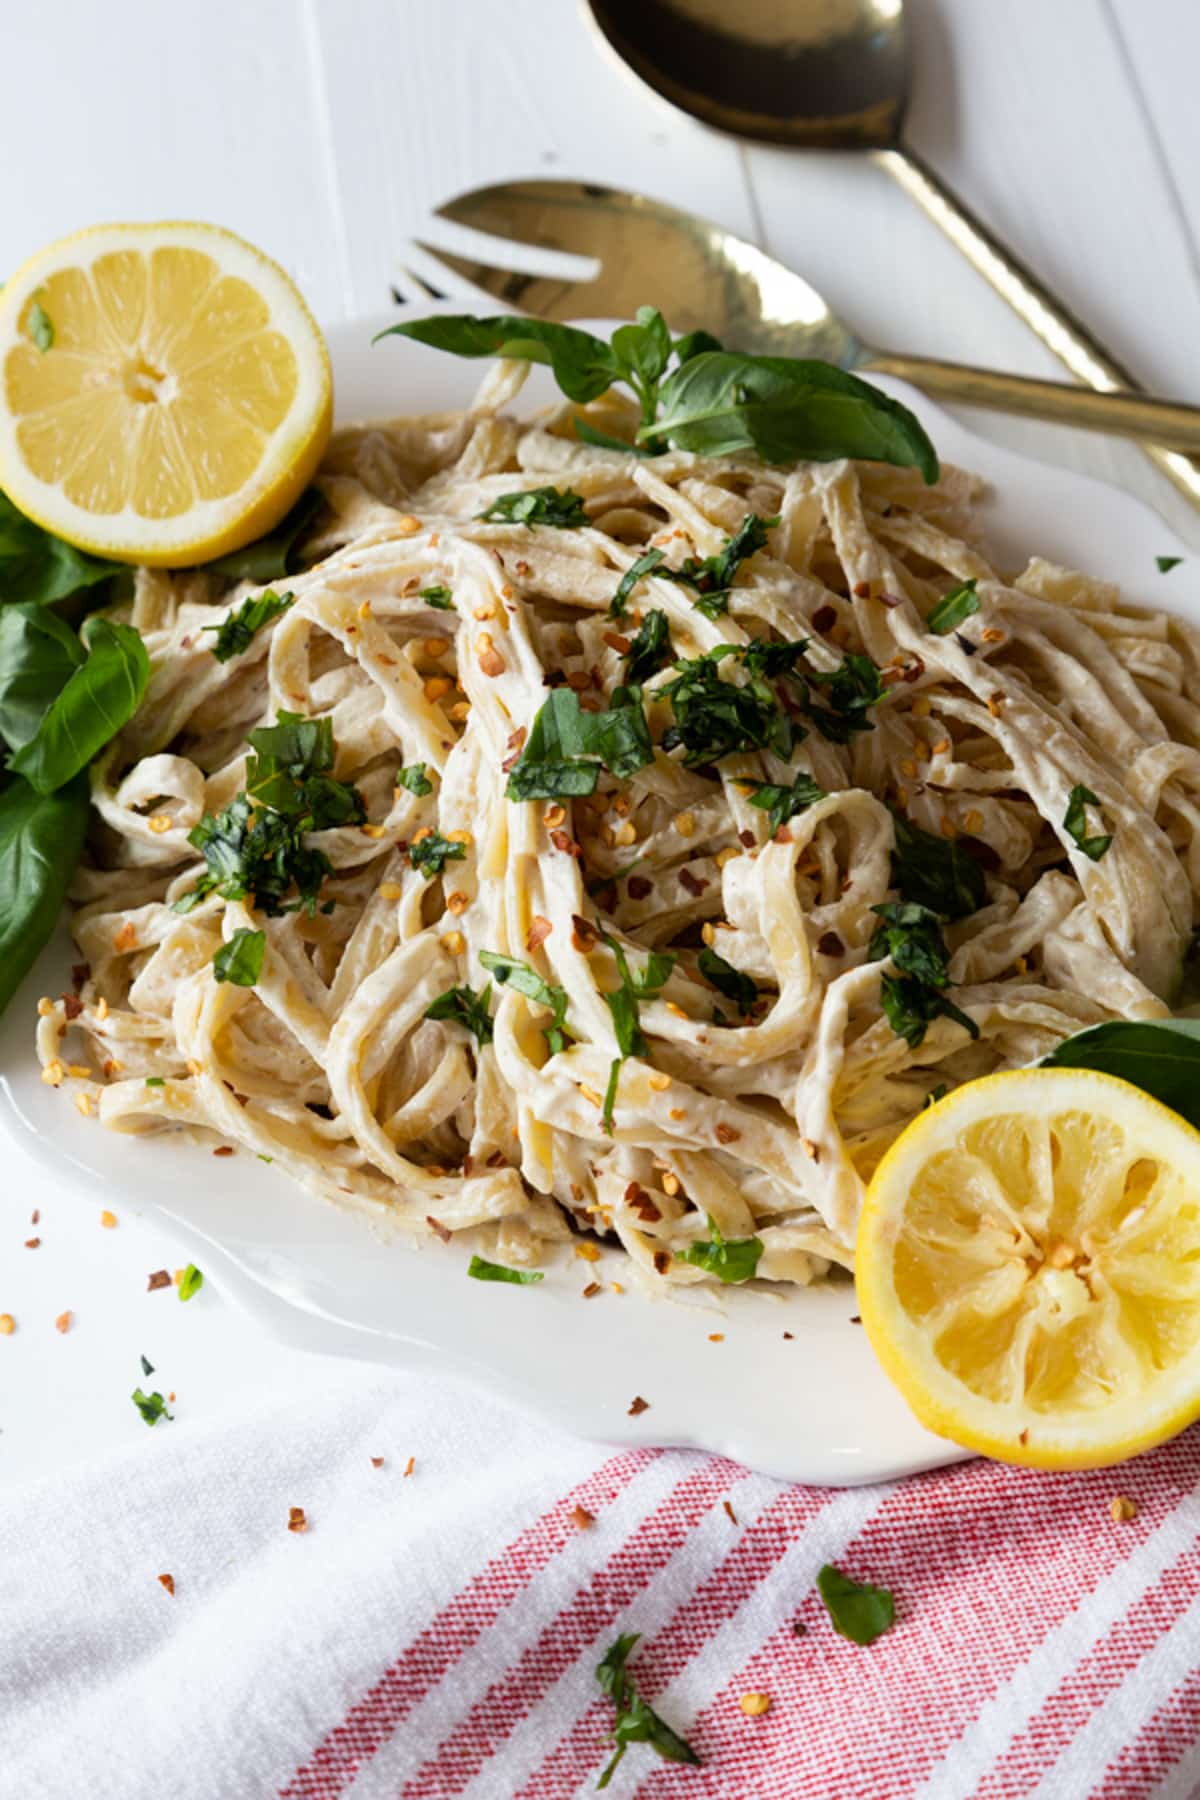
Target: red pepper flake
436,1225
830,944
733,1518
223,1150
539,930
726,1134
584,936
63,1322
562,840
1023,1437
168,1581
662,1261
71,1006
855,1319
409,1466
890,600
591,1290
80,973
377,1462
862,590
161,1278
914,671
297,1519
695,884
617,642
824,617
35,1215
638,887
787,1334
582,1517
747,839
32,1243
638,1405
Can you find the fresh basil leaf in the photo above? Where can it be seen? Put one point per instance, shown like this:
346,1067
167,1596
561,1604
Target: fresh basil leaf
788,410
99,697
237,631
414,779
936,872
1160,1056
151,1406
240,958
584,366
41,326
910,1007
727,980
1075,823
439,597
463,1007
190,1283
782,803
557,757
642,565
731,1260
479,1269
526,980
650,650
276,555
859,1611
953,608
38,567
695,343
635,1722
1166,563
431,854
561,507
41,840
587,433
642,352
39,653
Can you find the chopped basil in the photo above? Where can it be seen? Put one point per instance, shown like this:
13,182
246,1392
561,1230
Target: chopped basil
240,959
727,980
911,936
482,1270
236,632
526,980
716,718
936,1093
859,1611
783,803
539,506
414,779
566,747
850,689
642,565
439,597
731,1260
431,854
147,1366
1167,563
712,576
623,1005
712,402
191,1283
155,1081
635,1722
41,327
151,1406
953,608
939,873
650,649
463,1007
1075,823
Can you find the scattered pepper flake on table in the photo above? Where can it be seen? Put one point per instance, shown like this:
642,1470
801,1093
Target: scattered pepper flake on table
581,1517
638,1405
7,1324
32,1243
410,1465
1122,1509
377,1462
159,1278
63,1322
755,1705
108,1219
297,1519
733,1518
168,1581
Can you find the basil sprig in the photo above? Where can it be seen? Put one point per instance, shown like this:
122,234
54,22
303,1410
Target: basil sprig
635,1722
713,402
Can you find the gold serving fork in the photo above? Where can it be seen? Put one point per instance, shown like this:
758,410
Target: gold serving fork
702,277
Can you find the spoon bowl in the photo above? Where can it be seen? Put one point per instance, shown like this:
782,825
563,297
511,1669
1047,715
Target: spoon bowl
830,76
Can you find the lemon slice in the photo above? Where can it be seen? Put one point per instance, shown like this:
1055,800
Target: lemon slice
165,393
1028,1268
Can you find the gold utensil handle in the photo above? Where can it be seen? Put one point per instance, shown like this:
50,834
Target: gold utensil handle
1059,329
1130,415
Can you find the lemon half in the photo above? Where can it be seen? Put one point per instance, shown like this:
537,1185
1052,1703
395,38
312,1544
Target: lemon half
165,394
1028,1268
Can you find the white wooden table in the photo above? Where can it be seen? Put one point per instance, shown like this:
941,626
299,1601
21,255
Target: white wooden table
325,130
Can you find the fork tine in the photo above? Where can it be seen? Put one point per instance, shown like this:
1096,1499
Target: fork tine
409,285
546,296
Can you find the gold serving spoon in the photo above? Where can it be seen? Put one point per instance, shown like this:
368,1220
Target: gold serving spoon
703,277
833,75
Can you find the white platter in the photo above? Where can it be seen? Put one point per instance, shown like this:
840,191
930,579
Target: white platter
813,1408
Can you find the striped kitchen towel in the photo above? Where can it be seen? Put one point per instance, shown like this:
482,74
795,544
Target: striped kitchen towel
405,1592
